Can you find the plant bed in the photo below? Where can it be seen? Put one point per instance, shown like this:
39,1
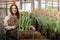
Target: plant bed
52,35
26,34
57,36
29,35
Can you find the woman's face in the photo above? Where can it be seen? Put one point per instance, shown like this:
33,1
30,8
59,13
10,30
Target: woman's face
14,9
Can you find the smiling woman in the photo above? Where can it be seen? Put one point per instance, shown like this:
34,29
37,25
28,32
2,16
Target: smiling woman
10,22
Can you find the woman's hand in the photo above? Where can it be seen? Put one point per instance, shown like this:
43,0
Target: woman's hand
10,27
13,27
33,27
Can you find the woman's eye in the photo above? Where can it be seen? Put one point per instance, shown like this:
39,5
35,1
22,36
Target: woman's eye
14,8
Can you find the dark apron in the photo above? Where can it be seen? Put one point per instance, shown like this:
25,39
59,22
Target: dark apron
12,34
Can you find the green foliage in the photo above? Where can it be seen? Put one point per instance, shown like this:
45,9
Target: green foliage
58,27
52,24
26,21
29,19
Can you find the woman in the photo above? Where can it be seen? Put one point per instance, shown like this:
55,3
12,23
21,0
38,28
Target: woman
10,23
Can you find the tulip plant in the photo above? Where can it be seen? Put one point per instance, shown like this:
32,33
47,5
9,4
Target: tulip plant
26,21
48,18
45,18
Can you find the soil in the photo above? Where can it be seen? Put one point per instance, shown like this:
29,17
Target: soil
32,36
29,35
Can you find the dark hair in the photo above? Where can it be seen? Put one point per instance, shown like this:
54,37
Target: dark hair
17,13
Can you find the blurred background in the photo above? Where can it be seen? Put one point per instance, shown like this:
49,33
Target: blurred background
28,5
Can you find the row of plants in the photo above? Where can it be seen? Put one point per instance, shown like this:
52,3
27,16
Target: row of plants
26,21
48,19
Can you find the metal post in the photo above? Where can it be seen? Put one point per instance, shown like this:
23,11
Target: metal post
45,3
39,4
6,7
32,5
58,5
52,3
0,8
20,4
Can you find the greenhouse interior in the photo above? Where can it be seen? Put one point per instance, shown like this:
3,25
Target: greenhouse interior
29,19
